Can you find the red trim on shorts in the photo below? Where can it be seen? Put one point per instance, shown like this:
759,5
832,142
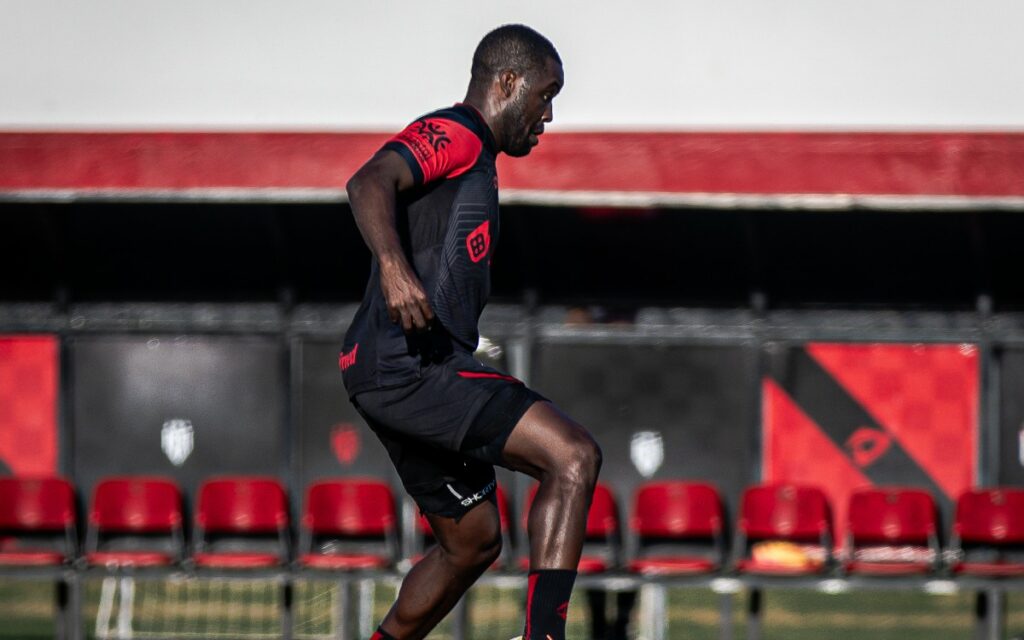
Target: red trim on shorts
484,374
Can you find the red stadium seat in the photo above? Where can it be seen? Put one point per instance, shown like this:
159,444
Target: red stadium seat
988,533
37,522
678,528
427,534
135,522
354,521
891,531
241,523
602,542
784,530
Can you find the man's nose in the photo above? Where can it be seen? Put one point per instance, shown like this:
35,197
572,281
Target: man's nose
549,113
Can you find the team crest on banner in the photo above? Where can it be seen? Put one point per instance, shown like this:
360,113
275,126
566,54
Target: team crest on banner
176,440
647,451
345,443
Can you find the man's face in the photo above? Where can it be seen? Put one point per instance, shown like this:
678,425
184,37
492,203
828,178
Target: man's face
531,109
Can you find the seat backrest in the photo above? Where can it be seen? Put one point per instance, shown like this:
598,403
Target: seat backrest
785,512
136,504
242,505
602,519
350,507
990,516
677,509
36,504
892,515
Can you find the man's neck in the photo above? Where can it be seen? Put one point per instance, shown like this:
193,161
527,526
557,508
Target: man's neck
488,110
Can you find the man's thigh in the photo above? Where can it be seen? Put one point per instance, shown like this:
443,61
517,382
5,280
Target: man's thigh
543,440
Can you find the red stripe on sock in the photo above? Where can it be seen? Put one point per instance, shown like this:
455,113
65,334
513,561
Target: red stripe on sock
529,603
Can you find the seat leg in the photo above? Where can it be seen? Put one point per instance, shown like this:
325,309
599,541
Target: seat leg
725,616
287,608
60,605
460,617
126,607
345,606
652,619
995,619
981,613
754,614
74,613
367,595
106,607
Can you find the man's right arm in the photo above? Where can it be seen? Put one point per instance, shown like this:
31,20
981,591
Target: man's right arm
372,193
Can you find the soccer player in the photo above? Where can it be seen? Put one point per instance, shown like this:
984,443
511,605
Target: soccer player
427,206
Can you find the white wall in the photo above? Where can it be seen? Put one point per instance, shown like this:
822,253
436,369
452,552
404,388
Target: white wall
345,64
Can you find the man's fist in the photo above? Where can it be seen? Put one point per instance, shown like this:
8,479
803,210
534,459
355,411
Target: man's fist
407,301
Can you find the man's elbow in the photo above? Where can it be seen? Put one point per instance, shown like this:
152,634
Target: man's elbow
368,179
355,185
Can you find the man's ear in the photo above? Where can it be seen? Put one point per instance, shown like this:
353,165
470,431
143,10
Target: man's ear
507,82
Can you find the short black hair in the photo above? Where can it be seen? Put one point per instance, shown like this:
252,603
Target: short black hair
511,46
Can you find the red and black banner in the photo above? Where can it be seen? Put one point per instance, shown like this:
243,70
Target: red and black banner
844,416
29,375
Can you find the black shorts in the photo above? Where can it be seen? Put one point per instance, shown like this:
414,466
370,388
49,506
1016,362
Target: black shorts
446,430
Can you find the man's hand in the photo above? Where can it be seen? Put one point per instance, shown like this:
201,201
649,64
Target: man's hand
407,301
371,192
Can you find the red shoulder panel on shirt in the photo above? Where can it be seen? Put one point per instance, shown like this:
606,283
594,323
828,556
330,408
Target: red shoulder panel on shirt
441,148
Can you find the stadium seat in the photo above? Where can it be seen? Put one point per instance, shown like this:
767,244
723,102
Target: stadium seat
135,522
427,534
891,531
353,522
241,523
784,530
602,542
678,527
37,522
988,533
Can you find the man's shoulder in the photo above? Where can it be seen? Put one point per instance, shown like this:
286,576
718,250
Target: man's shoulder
467,118
460,113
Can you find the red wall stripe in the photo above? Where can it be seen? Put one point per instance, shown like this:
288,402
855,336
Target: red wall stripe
944,164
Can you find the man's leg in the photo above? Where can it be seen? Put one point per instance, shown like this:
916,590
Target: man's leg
563,456
429,591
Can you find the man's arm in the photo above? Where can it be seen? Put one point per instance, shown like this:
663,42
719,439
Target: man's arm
372,193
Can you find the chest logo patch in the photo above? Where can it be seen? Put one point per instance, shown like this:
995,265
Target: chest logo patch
479,242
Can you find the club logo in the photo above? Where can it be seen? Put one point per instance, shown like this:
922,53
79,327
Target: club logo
435,135
867,445
345,442
647,451
479,241
177,439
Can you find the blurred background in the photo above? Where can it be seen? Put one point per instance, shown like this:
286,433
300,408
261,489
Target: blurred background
761,243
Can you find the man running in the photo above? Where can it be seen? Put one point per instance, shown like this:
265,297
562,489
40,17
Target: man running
427,206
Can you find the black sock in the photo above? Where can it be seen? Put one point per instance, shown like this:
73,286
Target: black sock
381,634
547,603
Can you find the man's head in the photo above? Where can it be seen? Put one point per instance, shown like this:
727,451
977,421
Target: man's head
516,75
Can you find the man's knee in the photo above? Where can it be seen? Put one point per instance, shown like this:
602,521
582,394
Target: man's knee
582,466
477,543
477,552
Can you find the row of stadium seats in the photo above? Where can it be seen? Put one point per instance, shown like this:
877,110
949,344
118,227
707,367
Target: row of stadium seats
350,524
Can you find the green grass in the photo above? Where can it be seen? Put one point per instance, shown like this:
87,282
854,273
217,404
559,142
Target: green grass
212,609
